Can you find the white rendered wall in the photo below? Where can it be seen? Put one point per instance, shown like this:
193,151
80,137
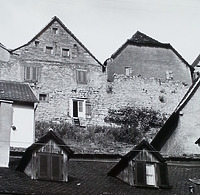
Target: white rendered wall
23,120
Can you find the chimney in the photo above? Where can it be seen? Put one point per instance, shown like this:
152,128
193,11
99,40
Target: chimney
6,118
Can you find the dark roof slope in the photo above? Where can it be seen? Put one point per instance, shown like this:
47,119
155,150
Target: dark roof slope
89,177
140,39
123,163
37,145
170,125
56,19
16,91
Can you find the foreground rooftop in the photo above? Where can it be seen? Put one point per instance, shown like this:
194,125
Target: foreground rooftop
89,176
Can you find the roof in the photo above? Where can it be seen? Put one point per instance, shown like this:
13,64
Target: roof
56,19
196,61
50,135
170,125
140,39
123,163
16,91
90,177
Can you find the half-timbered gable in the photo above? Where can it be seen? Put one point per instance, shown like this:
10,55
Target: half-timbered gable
143,166
46,159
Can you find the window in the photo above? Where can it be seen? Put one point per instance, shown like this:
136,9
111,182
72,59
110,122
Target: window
37,43
65,52
146,174
43,97
128,71
81,76
88,109
49,50
49,166
169,75
31,73
54,30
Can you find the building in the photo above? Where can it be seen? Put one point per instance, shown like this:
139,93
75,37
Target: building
17,118
4,54
180,133
62,72
46,159
147,57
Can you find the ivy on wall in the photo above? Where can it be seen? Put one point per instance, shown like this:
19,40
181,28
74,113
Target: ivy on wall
134,122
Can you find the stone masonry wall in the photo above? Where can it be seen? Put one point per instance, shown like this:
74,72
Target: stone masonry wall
150,62
138,92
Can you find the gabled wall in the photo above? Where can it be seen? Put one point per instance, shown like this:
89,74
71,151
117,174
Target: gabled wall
182,141
149,62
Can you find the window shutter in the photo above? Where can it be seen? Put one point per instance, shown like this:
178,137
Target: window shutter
27,73
56,167
34,73
163,176
44,166
140,173
88,109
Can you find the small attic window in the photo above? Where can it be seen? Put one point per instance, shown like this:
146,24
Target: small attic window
37,43
54,30
65,52
49,50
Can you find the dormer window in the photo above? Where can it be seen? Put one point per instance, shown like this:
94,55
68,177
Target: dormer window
54,30
143,167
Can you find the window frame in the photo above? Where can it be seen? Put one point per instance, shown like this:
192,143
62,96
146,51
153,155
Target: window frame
65,53
50,166
31,73
81,76
128,71
54,30
141,173
43,97
49,50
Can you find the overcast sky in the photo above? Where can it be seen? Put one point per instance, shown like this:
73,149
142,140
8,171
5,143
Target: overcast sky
104,25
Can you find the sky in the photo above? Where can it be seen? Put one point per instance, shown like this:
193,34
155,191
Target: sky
104,25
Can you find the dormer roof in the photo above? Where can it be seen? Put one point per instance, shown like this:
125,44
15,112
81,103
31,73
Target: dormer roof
123,163
39,144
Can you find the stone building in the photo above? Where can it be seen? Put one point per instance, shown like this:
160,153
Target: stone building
61,71
179,137
142,55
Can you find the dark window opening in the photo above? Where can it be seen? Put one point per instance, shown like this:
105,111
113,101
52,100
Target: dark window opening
37,43
49,50
65,52
55,30
43,97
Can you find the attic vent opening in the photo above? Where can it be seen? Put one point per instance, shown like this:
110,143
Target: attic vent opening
37,43
54,30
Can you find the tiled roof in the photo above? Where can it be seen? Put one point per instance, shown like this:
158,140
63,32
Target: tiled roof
89,177
16,91
140,39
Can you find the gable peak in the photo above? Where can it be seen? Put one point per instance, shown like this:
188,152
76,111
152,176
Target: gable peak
141,38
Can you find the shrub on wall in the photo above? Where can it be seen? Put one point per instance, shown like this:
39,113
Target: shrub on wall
134,122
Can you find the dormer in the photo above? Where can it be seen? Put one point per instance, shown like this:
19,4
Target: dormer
46,159
142,167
